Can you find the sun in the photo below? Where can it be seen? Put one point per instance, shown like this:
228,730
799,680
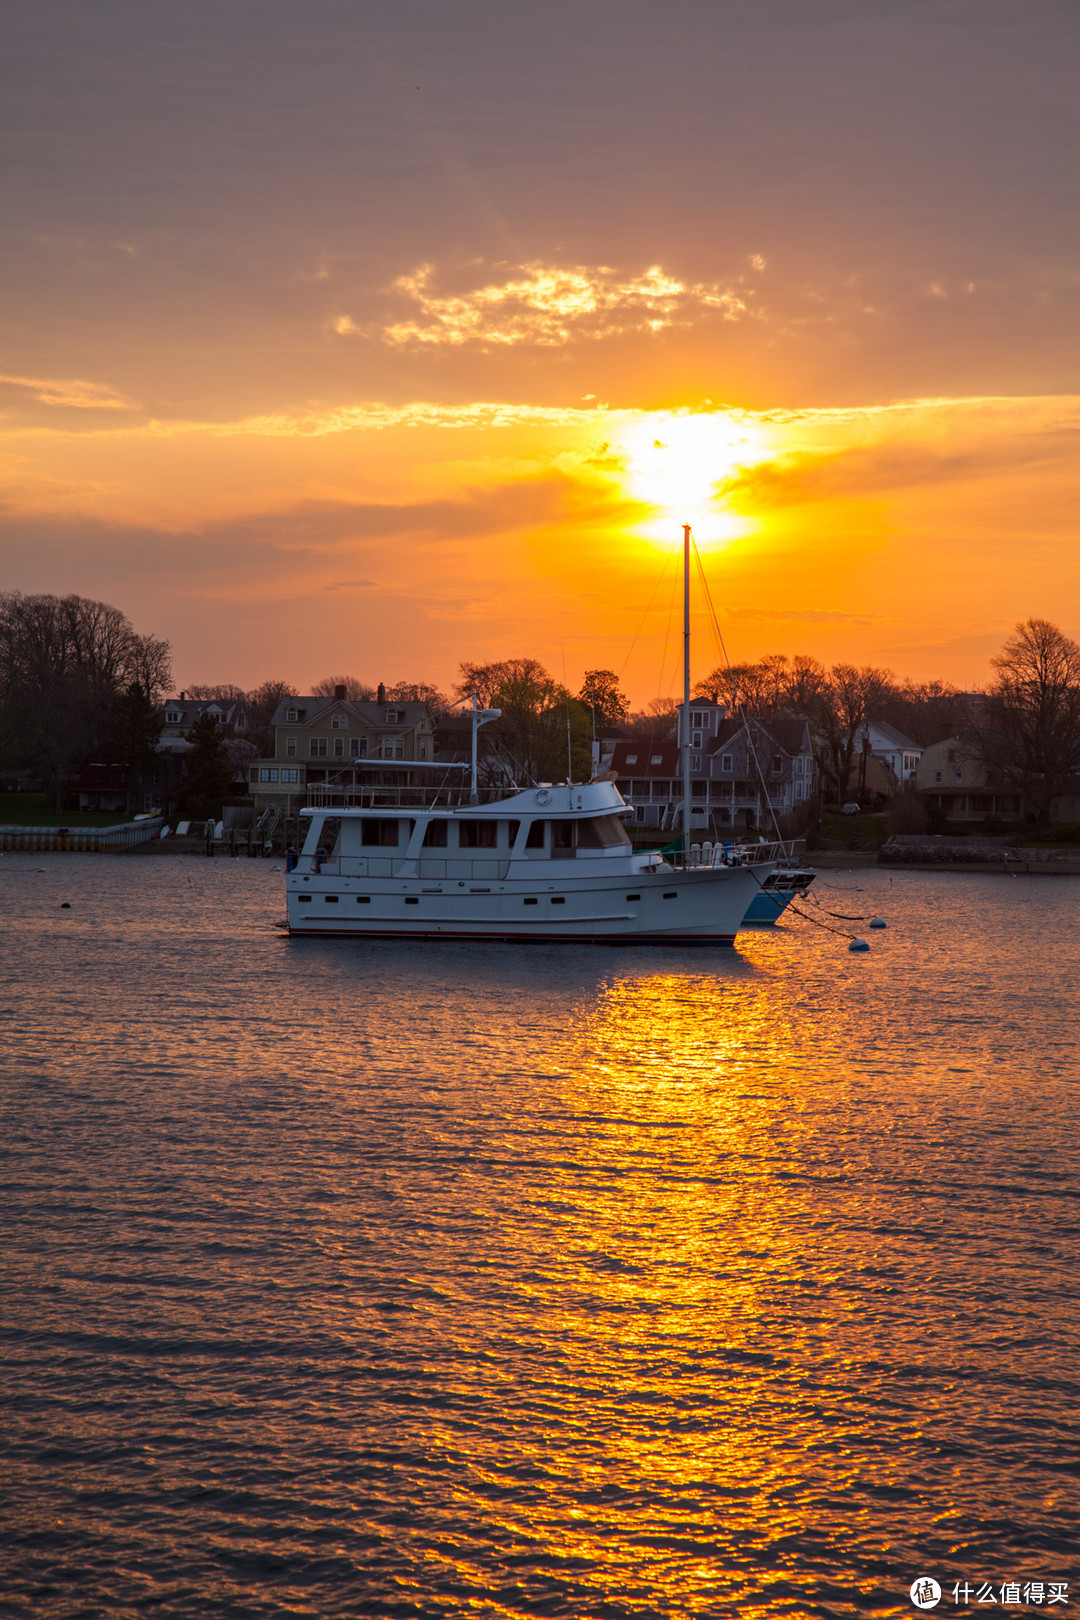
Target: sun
675,461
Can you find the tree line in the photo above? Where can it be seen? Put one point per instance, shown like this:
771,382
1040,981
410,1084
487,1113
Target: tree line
78,681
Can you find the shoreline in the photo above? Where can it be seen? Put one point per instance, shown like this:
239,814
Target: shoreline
860,859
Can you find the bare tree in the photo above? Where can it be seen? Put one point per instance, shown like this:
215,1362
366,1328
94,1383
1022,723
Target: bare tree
1032,733
64,661
262,704
223,692
356,691
419,692
849,698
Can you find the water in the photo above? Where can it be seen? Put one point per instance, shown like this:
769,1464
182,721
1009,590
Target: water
464,1280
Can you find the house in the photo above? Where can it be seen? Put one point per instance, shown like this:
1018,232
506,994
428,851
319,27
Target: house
742,772
179,714
898,754
333,748
957,782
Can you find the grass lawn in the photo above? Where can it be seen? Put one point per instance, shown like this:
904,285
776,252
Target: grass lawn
854,832
36,810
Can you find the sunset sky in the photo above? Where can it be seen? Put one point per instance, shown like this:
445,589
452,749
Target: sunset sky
343,336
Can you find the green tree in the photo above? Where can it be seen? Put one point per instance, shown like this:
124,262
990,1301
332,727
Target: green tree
600,692
208,770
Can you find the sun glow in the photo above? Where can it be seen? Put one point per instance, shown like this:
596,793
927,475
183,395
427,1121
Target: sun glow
675,462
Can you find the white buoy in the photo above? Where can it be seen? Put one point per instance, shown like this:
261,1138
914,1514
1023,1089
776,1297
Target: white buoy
858,945
878,922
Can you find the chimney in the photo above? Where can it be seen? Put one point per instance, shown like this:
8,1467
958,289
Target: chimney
339,693
380,696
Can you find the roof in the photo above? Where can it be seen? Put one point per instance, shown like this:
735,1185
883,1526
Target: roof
372,712
645,759
892,735
788,732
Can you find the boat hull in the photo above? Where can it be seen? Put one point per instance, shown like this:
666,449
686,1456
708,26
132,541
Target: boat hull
776,894
695,907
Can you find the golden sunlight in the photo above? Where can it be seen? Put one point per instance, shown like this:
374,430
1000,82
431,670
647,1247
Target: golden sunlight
674,462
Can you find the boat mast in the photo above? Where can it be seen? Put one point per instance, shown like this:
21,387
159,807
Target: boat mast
686,695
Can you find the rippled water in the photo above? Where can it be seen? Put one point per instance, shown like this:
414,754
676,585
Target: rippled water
472,1280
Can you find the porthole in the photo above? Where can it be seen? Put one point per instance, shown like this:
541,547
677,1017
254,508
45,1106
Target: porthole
633,897
532,902
672,894
558,900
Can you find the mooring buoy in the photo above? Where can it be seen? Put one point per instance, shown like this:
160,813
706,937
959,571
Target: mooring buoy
858,945
878,922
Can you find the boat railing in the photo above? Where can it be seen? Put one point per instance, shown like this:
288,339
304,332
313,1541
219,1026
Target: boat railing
732,854
450,795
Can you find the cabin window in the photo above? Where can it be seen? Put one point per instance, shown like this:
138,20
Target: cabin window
529,902
562,839
603,832
478,834
331,899
513,827
411,900
304,899
381,830
535,839
363,899
435,835
558,900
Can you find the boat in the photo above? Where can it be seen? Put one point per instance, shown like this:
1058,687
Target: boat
781,887
550,863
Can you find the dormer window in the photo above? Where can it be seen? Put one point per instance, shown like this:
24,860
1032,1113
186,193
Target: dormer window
394,717
173,717
290,714
631,759
656,759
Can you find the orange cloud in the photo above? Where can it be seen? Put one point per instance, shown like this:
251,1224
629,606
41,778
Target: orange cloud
547,306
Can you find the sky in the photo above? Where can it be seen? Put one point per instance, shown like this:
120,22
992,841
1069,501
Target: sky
342,336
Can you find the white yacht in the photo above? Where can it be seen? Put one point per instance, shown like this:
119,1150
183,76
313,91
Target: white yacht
543,863
550,863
